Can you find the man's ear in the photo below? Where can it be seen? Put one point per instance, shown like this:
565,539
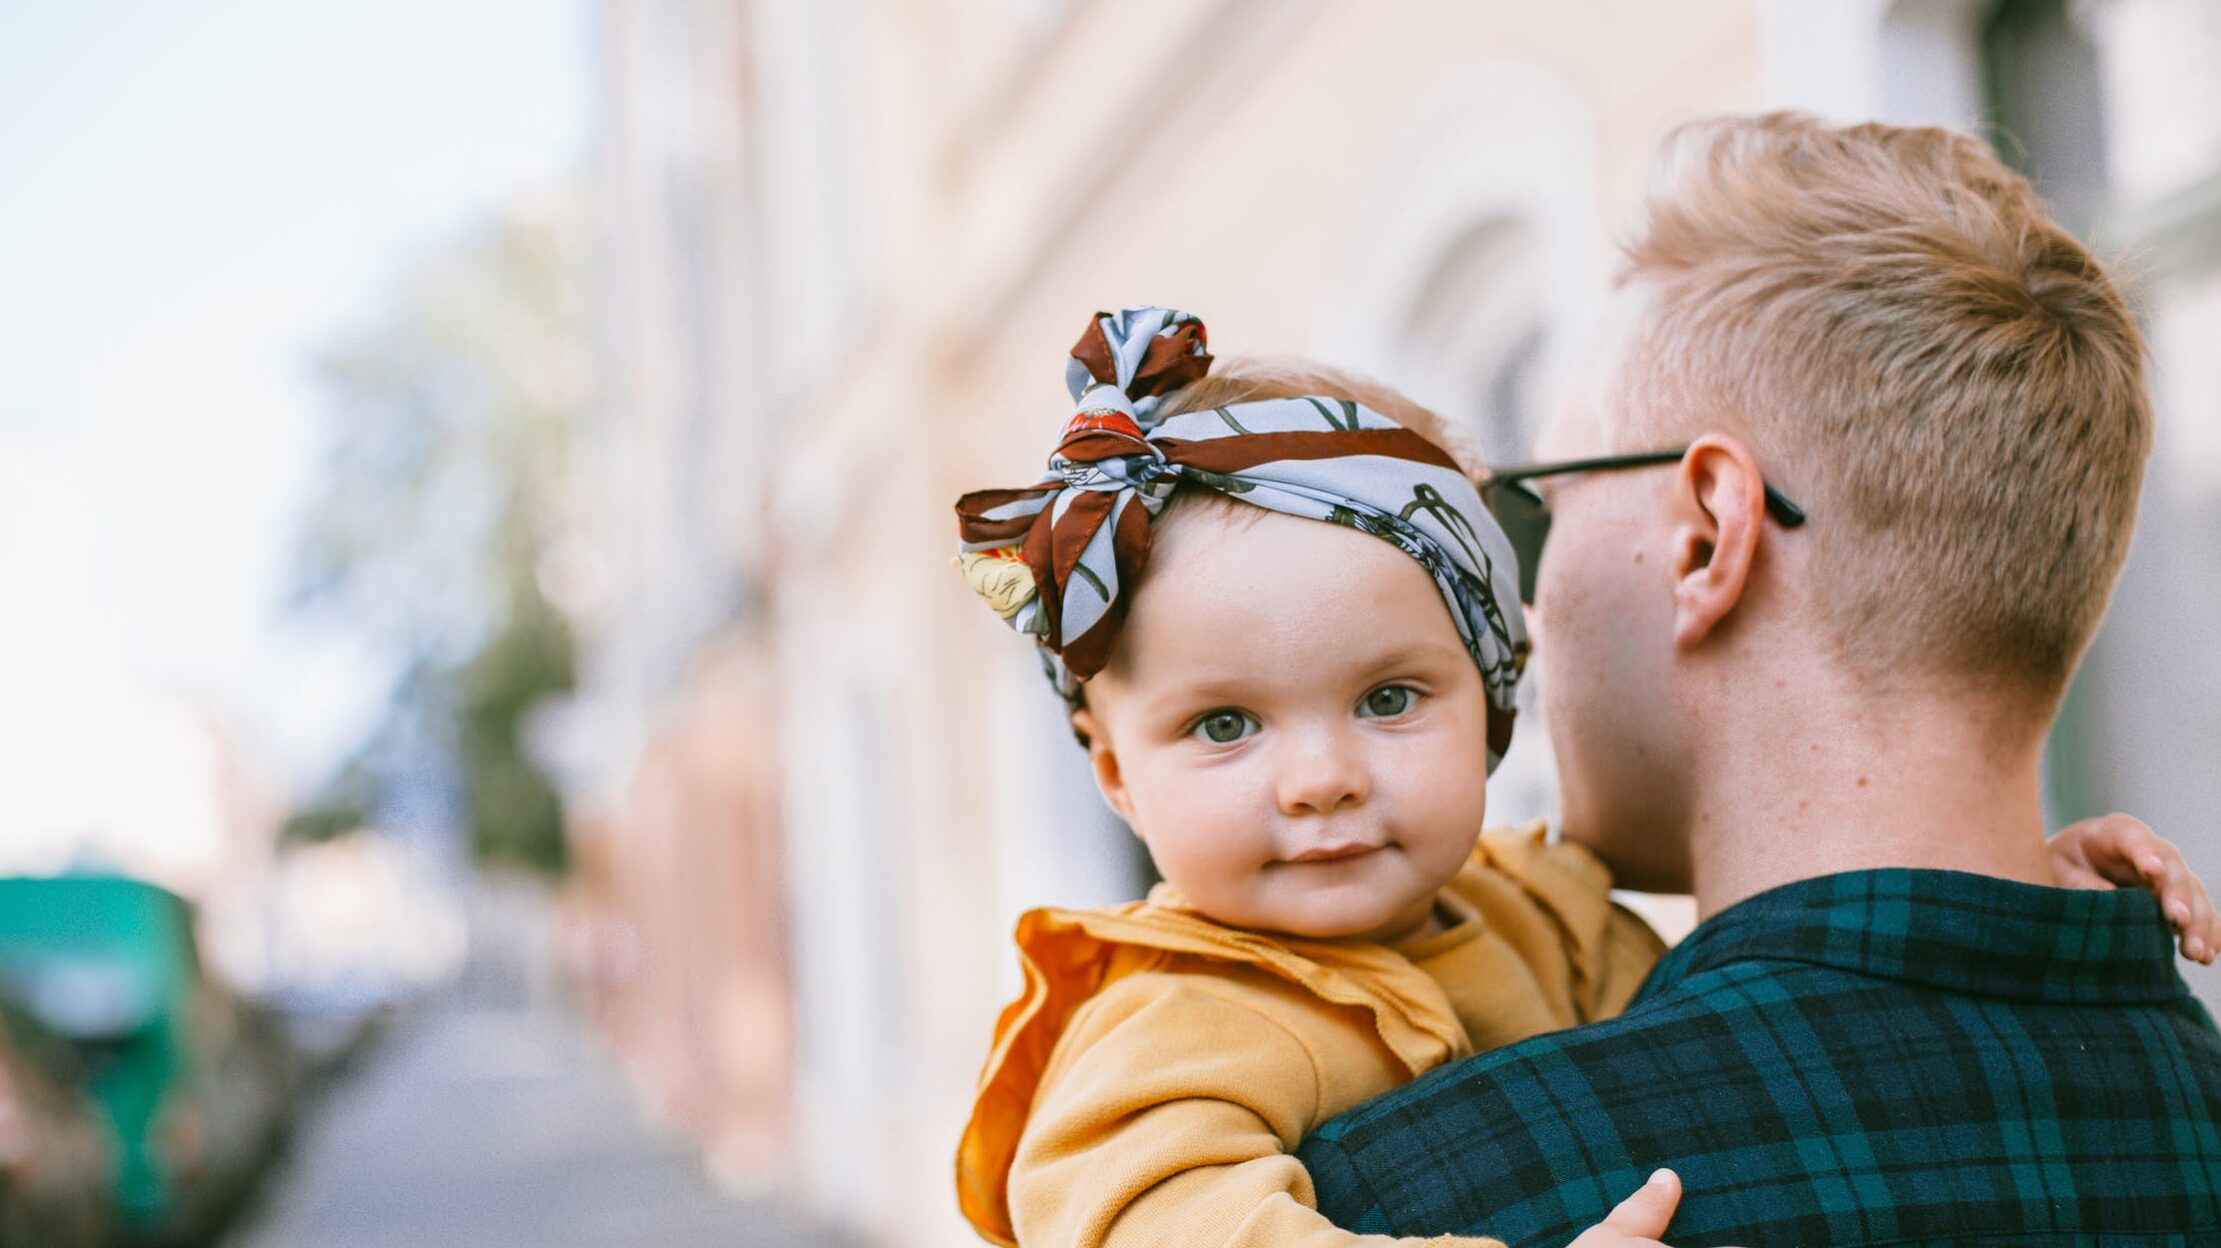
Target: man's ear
1721,500
1109,780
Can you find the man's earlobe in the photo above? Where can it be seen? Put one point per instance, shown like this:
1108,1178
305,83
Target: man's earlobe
1722,499
1103,761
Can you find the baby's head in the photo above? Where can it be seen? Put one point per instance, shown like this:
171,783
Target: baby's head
1303,673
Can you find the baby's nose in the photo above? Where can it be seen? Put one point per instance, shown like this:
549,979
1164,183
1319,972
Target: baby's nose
1320,776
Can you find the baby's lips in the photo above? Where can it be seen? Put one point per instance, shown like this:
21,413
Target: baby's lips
1334,853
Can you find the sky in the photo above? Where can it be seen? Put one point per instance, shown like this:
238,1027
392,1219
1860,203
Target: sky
195,199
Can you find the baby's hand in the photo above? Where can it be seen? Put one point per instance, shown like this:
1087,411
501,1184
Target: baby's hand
2119,850
1640,1219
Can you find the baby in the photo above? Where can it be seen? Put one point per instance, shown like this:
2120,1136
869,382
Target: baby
1290,632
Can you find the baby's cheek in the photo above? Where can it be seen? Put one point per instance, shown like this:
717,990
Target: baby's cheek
1451,773
1450,804
1202,838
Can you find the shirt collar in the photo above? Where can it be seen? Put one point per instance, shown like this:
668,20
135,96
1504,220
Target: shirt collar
1963,933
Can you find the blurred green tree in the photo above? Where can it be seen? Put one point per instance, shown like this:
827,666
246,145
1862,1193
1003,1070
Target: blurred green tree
442,492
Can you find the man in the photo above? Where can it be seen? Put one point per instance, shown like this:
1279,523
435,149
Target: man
1890,1029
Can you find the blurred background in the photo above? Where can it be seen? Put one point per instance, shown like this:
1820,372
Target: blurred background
491,747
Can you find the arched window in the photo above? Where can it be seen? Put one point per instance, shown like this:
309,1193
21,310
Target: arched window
1929,63
1473,342
1481,248
2045,104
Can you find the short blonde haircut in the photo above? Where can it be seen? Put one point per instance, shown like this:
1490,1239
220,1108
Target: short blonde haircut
1948,382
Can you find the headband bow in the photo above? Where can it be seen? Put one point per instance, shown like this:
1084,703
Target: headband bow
1054,559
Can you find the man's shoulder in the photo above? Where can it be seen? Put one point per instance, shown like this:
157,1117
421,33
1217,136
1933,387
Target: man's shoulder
1749,1023
1796,1096
1526,1139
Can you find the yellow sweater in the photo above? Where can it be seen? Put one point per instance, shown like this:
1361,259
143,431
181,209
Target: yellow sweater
1150,1084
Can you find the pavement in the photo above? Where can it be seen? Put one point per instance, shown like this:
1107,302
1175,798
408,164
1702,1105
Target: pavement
477,1123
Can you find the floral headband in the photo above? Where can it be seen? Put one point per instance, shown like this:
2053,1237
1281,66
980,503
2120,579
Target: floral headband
1054,559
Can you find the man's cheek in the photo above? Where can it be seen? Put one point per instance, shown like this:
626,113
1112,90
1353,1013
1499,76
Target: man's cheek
1562,589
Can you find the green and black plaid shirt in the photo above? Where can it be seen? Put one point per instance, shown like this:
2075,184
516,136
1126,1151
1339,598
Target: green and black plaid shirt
1882,1057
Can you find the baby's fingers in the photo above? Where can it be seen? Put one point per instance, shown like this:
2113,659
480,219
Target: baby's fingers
1639,1220
2182,896
2159,866
2208,943
2191,910
2117,849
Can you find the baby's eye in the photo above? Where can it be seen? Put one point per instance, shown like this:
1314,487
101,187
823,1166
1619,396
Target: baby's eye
1224,727
1388,701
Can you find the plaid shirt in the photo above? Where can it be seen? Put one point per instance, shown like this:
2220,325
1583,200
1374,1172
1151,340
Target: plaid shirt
1882,1057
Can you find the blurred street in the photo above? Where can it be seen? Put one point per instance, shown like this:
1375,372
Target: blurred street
482,1123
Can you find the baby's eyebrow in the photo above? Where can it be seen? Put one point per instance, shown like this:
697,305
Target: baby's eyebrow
1199,697
1369,666
1410,654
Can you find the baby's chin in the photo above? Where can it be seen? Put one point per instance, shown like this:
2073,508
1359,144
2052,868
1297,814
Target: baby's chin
1381,920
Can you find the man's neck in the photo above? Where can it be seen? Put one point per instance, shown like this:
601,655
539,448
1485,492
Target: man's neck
1823,784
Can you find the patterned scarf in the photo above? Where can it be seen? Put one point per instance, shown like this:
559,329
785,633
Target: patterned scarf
1054,559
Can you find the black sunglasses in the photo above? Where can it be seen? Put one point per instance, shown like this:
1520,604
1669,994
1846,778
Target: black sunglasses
1525,517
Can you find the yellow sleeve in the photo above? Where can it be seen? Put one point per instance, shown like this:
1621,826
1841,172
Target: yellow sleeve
1168,1115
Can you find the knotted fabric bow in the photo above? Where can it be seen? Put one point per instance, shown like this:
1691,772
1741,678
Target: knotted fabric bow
1055,559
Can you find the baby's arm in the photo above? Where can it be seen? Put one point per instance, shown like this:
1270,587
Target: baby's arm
1168,1116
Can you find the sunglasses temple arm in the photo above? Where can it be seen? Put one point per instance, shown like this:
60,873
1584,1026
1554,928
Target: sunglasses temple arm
1785,513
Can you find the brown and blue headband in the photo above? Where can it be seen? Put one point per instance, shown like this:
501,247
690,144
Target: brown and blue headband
1055,559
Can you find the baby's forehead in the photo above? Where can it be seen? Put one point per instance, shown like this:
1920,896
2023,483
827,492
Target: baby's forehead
1235,590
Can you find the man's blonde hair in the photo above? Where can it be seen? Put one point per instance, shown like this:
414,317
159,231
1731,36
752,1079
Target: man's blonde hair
1942,376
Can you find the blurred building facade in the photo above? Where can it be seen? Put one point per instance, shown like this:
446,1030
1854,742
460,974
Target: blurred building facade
844,247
